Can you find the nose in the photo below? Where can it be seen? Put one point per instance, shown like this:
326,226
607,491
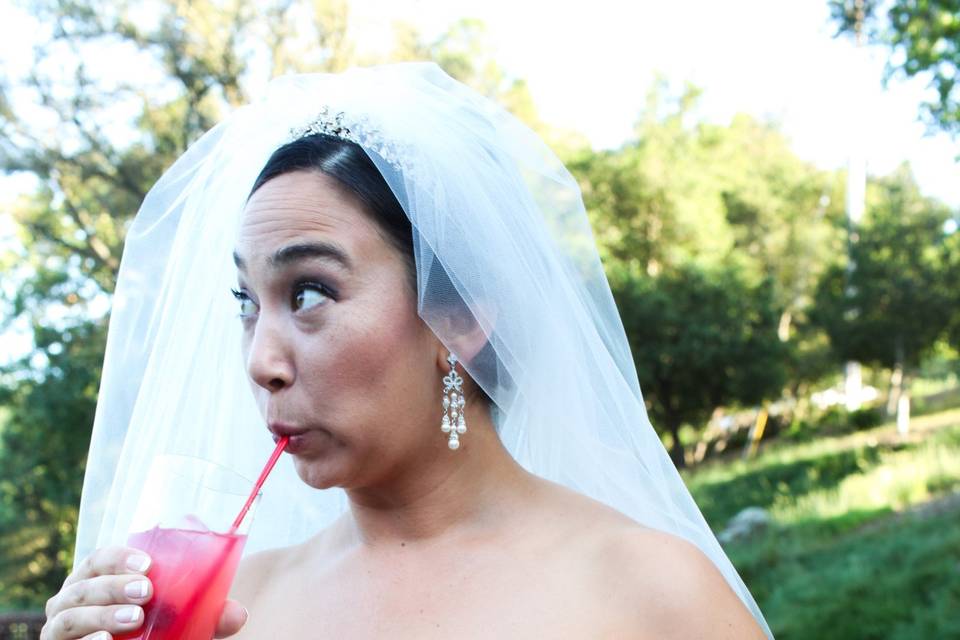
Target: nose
269,361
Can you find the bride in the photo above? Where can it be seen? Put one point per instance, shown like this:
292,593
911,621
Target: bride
421,307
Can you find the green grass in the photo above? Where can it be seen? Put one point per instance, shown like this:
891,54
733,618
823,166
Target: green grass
898,580
854,551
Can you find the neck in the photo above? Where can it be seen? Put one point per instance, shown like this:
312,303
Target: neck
442,493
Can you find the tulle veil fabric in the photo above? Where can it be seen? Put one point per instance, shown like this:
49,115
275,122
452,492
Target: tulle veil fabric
494,211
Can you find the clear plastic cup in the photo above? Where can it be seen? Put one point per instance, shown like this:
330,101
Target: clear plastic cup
183,522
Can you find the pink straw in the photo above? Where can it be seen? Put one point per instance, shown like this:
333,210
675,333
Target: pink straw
263,476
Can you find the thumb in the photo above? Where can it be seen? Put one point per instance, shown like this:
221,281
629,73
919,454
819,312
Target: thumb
234,616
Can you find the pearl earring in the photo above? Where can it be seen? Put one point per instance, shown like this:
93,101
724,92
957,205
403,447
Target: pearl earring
453,401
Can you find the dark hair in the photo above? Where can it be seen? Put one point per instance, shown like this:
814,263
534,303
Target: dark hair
348,164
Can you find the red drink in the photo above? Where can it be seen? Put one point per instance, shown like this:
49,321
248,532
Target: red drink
191,573
192,565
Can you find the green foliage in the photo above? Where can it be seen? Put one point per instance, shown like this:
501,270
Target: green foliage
778,482
889,304
701,339
677,215
714,238
838,561
951,284
924,38
865,418
848,470
895,581
939,401
833,421
43,444
72,230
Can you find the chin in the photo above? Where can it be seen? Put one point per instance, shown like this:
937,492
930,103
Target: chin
317,474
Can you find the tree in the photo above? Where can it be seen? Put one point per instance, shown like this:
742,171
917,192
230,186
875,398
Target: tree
653,202
891,301
712,206
42,449
701,339
686,191
72,229
924,36
951,265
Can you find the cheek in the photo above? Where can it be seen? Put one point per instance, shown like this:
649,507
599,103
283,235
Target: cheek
370,367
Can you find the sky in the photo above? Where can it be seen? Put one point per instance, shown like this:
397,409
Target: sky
588,66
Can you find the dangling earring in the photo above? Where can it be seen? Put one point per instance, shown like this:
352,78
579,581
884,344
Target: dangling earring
453,401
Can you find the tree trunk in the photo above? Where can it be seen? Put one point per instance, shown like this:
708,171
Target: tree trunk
676,448
903,409
896,388
903,391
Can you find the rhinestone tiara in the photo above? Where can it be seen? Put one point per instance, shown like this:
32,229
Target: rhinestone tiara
331,124
358,131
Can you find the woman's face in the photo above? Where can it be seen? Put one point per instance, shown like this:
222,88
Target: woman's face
332,341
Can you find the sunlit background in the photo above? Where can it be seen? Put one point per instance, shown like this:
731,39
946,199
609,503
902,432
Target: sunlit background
774,190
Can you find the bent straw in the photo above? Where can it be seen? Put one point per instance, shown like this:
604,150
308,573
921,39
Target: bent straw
259,483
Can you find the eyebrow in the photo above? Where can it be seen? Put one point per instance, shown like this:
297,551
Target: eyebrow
302,251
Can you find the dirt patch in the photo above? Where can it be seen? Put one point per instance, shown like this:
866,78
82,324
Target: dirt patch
935,507
923,511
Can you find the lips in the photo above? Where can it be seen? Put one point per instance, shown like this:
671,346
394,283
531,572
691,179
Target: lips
298,438
279,430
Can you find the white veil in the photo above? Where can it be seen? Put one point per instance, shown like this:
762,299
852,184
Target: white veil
494,212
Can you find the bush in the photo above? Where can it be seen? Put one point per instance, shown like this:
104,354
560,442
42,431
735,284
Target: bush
866,418
833,420
800,430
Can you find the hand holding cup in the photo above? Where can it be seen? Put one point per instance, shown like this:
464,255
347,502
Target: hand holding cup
106,595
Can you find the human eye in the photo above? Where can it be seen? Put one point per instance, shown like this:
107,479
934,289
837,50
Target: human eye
307,295
248,307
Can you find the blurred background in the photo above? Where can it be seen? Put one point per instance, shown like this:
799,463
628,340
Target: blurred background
775,191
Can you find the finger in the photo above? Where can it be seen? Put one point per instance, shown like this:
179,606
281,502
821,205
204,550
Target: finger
104,590
81,621
110,561
232,619
99,635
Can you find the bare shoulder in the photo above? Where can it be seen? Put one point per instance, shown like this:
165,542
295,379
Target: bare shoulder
675,588
660,585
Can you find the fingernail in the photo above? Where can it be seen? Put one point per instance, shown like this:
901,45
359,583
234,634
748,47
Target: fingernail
138,562
246,614
103,635
136,589
128,614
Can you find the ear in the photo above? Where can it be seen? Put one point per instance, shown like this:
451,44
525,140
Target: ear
465,337
464,345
